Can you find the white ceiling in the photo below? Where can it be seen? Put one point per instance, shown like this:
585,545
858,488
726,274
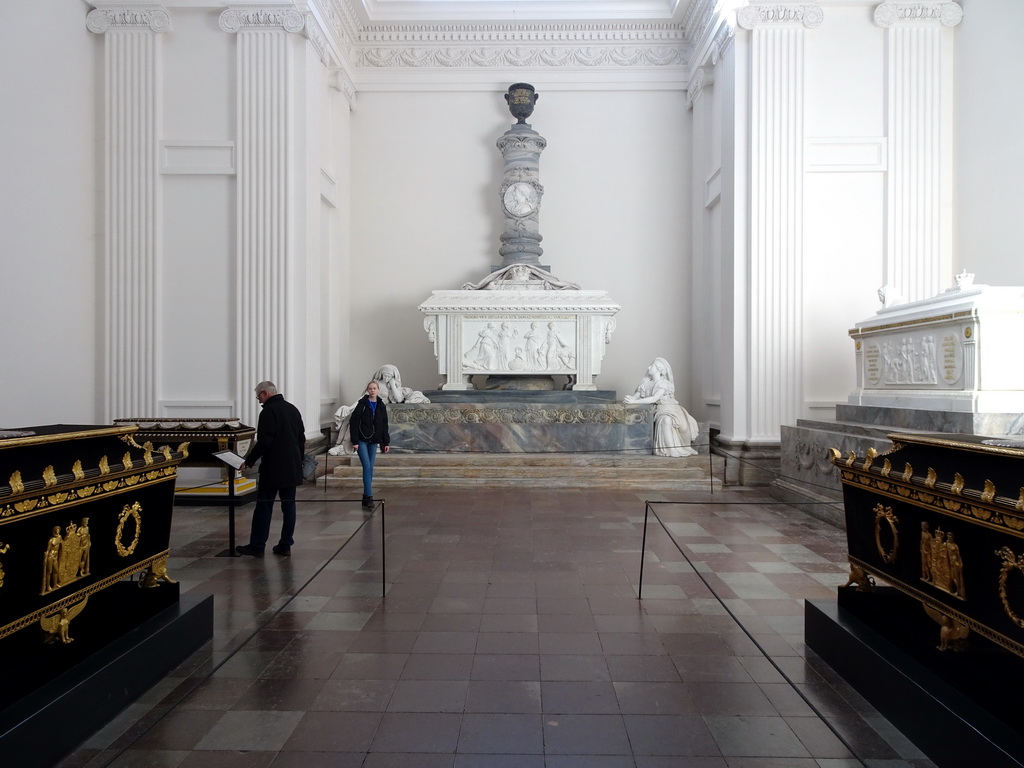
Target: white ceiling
520,11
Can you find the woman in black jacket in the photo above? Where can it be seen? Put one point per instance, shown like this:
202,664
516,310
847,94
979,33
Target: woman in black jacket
368,428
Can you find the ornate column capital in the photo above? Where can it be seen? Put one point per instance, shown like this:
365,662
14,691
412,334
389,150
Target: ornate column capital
893,12
262,17
105,17
780,12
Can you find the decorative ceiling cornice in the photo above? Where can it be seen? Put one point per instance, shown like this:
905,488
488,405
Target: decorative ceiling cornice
532,46
382,50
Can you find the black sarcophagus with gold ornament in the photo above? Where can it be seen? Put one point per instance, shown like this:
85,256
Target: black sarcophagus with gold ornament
204,436
939,518
85,516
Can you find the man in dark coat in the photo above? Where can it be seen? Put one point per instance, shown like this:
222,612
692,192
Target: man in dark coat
280,443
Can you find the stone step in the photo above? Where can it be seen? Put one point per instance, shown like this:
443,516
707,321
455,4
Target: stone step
549,470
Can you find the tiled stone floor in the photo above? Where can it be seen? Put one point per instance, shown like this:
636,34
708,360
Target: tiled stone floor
511,636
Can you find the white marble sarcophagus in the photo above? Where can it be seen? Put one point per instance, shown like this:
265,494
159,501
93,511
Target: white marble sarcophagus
519,321
957,351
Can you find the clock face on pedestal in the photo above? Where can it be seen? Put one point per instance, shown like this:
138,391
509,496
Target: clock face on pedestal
520,199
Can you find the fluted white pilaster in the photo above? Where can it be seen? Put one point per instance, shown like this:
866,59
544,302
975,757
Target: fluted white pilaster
132,98
774,278
263,111
919,129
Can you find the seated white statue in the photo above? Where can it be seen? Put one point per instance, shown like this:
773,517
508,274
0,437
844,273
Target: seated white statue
674,428
391,391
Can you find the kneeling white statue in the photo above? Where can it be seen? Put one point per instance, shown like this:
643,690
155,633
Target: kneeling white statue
391,391
674,428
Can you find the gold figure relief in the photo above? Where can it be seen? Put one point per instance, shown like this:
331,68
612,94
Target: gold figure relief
49,477
988,494
931,479
17,486
166,451
104,466
56,624
130,440
157,572
851,459
952,634
886,514
4,549
860,578
147,452
133,513
941,563
77,470
908,472
66,558
1019,506
183,449
834,456
886,467
126,461
958,483
1010,563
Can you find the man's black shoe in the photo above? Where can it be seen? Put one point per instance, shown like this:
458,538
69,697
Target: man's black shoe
368,502
282,551
248,549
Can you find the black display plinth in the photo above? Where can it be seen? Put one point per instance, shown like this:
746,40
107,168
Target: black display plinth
46,724
960,709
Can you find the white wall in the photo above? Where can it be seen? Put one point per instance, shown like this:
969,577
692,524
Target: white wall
426,216
50,216
988,146
844,197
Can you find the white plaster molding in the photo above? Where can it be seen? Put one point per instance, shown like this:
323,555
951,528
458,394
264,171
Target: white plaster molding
702,77
197,157
713,188
808,14
340,81
106,17
699,16
948,14
318,39
540,46
262,17
723,41
842,154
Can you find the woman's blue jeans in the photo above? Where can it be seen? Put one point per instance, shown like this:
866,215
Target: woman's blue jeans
367,455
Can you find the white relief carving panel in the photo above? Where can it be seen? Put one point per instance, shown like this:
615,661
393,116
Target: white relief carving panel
512,331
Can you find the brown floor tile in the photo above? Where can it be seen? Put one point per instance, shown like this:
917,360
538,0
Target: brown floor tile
510,636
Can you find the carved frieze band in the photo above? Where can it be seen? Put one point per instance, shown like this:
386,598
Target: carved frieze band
262,17
948,14
154,17
539,57
808,14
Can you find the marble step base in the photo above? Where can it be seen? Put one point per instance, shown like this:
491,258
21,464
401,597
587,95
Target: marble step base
549,470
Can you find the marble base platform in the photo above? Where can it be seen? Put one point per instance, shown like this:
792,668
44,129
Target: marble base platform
521,427
992,424
806,476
